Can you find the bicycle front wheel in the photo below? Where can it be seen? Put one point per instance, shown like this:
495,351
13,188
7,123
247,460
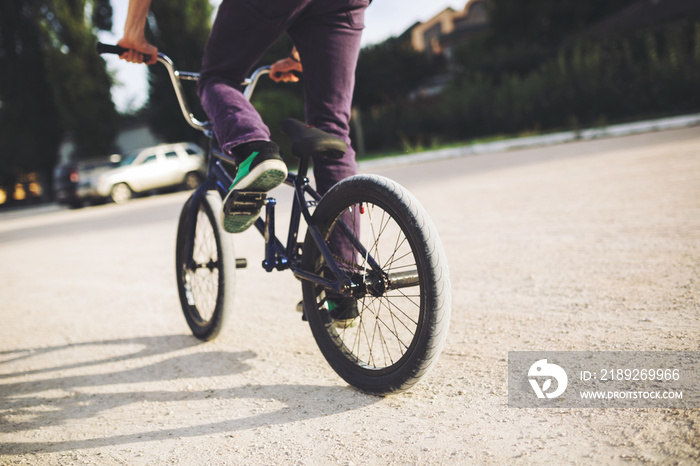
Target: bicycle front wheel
205,265
384,241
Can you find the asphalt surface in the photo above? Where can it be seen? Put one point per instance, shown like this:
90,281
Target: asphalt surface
590,245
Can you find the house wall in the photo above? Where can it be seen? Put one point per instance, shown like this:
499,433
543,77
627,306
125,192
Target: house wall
428,36
443,20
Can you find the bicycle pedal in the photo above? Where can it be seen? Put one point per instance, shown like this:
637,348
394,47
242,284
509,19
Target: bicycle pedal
241,209
245,203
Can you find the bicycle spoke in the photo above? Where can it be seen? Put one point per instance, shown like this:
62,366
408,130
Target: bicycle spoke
203,280
396,259
393,259
401,316
370,353
377,329
384,346
395,332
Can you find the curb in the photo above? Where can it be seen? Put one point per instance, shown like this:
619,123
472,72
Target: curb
624,129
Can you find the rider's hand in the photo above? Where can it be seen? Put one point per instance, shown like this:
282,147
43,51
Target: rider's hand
282,71
138,48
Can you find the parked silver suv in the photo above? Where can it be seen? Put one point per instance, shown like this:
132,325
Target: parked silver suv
151,168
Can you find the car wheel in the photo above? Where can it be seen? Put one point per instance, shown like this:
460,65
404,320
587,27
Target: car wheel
192,180
120,193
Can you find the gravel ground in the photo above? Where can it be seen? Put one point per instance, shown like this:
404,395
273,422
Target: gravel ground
583,246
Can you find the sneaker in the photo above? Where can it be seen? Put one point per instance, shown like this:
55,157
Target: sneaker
261,170
344,312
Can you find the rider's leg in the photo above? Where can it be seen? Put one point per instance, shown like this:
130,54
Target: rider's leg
327,36
260,167
234,119
241,34
327,32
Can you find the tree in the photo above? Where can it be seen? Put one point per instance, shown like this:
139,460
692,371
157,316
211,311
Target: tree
388,71
52,84
80,85
29,119
546,22
180,29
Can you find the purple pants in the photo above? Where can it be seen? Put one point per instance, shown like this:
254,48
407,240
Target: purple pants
327,35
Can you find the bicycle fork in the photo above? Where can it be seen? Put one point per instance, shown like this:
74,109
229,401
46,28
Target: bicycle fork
194,203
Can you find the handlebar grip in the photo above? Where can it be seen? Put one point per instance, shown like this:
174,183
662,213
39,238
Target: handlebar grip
116,49
106,48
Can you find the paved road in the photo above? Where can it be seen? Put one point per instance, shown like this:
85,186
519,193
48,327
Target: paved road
582,246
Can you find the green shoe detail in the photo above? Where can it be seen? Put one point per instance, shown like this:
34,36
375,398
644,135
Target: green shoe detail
243,169
257,174
343,312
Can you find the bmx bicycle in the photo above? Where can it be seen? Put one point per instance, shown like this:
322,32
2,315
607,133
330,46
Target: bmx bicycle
367,239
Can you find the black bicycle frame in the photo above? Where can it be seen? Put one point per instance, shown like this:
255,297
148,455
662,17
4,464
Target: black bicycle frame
277,255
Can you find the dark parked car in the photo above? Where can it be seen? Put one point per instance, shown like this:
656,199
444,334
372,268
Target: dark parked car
72,182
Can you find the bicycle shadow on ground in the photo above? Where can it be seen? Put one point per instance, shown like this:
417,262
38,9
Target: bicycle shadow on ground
150,346
34,404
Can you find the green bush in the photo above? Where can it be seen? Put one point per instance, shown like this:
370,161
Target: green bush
593,82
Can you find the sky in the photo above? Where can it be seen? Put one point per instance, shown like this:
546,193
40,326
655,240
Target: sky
383,19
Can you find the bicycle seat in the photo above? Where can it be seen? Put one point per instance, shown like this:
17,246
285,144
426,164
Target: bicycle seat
308,141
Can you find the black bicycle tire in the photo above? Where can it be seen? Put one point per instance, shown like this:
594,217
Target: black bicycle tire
207,329
435,290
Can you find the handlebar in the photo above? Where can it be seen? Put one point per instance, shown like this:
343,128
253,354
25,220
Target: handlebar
116,50
176,76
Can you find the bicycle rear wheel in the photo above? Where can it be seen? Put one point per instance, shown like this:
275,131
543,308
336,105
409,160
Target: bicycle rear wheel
400,282
205,281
